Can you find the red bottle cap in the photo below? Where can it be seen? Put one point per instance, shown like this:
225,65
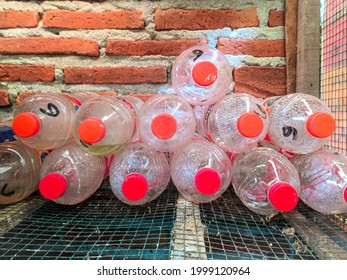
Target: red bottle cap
283,196
250,125
164,126
92,130
53,185
320,125
205,73
134,186
26,125
207,181
345,194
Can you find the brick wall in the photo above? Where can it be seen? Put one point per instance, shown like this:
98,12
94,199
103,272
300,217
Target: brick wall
127,47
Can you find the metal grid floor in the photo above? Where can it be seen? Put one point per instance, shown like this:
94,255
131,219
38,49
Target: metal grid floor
100,228
167,228
233,232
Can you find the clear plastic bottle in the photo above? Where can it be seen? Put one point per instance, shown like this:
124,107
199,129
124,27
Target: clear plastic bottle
19,171
265,181
166,122
201,74
70,175
108,162
139,174
201,171
236,123
43,121
6,131
299,123
105,124
323,177
135,104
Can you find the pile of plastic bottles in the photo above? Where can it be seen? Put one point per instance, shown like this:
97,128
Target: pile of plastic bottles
204,138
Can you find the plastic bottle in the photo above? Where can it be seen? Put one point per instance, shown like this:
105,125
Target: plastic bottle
43,121
299,123
166,122
135,104
201,171
323,177
201,74
236,123
19,171
139,174
70,175
105,124
6,131
265,181
108,162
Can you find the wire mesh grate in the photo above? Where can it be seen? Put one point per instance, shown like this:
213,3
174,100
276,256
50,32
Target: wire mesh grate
234,232
333,88
99,228
167,228
326,234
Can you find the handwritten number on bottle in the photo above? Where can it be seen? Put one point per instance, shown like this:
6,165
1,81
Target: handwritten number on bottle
197,53
51,110
262,112
4,193
288,131
84,144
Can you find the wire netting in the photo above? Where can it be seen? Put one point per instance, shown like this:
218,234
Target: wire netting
102,227
169,227
333,88
234,232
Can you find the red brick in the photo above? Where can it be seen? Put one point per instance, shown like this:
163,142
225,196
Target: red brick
36,45
260,81
26,73
14,19
276,18
4,100
150,47
123,19
143,96
119,75
178,19
257,48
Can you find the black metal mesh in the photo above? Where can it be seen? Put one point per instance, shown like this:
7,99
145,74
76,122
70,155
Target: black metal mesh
234,232
100,228
325,234
167,228
334,67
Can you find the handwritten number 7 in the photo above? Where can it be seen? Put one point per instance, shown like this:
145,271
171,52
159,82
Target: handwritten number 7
197,53
262,113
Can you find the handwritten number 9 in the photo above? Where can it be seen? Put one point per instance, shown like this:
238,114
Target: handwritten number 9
51,111
288,131
197,53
